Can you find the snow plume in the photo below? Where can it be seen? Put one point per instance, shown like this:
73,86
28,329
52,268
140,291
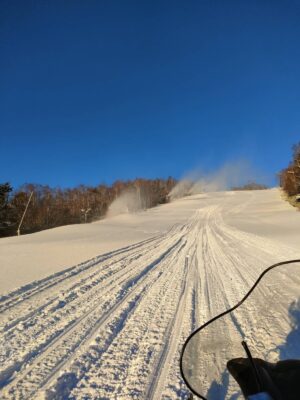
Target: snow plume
182,188
129,201
229,175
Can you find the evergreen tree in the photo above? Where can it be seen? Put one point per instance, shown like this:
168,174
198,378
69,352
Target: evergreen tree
5,209
5,189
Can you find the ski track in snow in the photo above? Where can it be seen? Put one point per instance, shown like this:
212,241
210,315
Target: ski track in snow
113,327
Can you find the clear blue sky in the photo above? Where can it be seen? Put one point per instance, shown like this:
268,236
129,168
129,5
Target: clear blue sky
94,91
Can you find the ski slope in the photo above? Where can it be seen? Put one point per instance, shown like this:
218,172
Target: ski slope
112,327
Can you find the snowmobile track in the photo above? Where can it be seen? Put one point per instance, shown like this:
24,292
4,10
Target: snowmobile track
113,326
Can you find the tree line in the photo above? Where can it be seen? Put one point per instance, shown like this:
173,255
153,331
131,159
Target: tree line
52,207
250,186
289,177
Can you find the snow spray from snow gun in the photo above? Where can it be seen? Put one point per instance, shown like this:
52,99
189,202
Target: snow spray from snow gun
266,323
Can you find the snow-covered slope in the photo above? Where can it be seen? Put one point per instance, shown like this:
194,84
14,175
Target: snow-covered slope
112,327
30,257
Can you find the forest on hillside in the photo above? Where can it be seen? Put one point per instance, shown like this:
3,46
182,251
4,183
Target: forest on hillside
289,177
48,207
51,207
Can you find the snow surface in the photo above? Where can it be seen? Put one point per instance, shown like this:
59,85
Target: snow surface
124,293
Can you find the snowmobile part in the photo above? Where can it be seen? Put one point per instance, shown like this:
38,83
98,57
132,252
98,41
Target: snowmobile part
268,317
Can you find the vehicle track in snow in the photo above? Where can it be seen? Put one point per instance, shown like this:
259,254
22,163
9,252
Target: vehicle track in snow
24,292
62,323
113,327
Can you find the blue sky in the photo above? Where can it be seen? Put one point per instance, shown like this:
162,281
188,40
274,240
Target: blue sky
94,91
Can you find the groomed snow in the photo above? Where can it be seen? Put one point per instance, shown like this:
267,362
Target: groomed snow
112,326
30,257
